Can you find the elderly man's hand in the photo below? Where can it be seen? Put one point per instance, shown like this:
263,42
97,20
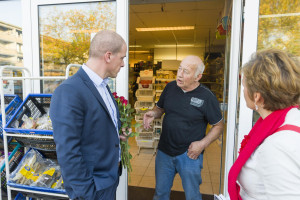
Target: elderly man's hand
125,134
195,149
148,118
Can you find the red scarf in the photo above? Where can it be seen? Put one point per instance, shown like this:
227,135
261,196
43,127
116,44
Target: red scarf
260,131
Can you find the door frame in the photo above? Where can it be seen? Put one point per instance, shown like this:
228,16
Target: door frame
32,55
245,16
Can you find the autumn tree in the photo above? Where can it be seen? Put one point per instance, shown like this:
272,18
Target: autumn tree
279,25
65,35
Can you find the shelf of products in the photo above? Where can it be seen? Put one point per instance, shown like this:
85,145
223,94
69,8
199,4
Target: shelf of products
213,76
145,102
30,126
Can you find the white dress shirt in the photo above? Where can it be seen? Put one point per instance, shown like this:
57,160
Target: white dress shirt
100,85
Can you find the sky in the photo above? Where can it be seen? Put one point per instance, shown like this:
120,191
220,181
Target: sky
11,12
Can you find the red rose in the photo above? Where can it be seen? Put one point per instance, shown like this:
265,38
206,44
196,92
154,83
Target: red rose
114,94
122,99
125,102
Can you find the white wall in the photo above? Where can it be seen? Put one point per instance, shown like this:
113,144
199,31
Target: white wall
170,53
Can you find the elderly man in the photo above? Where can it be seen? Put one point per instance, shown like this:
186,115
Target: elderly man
188,106
86,122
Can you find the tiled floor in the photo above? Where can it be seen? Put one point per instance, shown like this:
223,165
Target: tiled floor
143,165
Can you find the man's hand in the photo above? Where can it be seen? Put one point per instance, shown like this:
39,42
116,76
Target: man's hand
195,149
125,134
148,118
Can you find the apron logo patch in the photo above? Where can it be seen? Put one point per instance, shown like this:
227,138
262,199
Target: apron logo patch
196,102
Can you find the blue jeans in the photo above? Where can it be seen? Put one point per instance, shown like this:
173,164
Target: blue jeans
189,170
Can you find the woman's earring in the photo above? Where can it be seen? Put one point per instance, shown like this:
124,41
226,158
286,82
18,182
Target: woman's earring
256,107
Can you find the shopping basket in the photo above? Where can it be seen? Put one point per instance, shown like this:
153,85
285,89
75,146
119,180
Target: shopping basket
34,106
12,103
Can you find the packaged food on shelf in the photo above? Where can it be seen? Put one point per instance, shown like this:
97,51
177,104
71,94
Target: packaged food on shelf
37,173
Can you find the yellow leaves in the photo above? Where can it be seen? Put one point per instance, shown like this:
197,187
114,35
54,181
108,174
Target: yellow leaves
279,31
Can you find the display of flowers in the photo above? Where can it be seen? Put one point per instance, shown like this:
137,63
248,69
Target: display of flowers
126,116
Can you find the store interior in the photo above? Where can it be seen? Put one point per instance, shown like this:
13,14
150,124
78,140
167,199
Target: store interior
154,56
177,28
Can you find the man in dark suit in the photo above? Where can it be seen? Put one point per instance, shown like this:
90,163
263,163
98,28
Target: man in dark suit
86,123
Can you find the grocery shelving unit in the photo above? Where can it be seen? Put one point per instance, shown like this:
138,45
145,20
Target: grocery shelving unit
213,77
146,97
27,81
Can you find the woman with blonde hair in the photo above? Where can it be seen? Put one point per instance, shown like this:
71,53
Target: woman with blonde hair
268,165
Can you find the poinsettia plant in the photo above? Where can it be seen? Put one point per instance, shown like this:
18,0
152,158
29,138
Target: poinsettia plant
126,117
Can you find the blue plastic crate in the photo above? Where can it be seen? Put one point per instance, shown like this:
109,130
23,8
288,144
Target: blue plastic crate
34,188
20,196
13,102
34,106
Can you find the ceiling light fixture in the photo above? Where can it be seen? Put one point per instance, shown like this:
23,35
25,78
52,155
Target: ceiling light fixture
139,52
174,28
131,46
173,45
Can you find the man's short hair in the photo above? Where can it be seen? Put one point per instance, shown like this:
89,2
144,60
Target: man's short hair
104,41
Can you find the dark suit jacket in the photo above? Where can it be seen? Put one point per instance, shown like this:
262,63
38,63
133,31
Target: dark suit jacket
86,139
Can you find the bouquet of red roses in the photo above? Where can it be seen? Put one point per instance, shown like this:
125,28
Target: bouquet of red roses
126,116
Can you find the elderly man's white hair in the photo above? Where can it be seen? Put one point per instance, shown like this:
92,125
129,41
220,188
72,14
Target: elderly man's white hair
196,61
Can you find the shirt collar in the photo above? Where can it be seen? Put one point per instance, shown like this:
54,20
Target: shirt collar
96,79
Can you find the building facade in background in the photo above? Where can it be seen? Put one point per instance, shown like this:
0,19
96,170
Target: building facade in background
11,45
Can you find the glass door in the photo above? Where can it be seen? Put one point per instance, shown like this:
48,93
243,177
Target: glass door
58,33
268,25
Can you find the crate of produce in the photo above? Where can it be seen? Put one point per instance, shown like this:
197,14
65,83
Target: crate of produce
160,86
146,74
143,105
12,103
139,117
145,83
141,130
145,141
145,95
141,111
35,172
32,117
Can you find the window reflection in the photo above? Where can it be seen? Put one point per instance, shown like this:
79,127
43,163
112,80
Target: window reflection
65,33
278,27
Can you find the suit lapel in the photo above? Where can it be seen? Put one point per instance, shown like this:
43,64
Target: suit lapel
93,89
